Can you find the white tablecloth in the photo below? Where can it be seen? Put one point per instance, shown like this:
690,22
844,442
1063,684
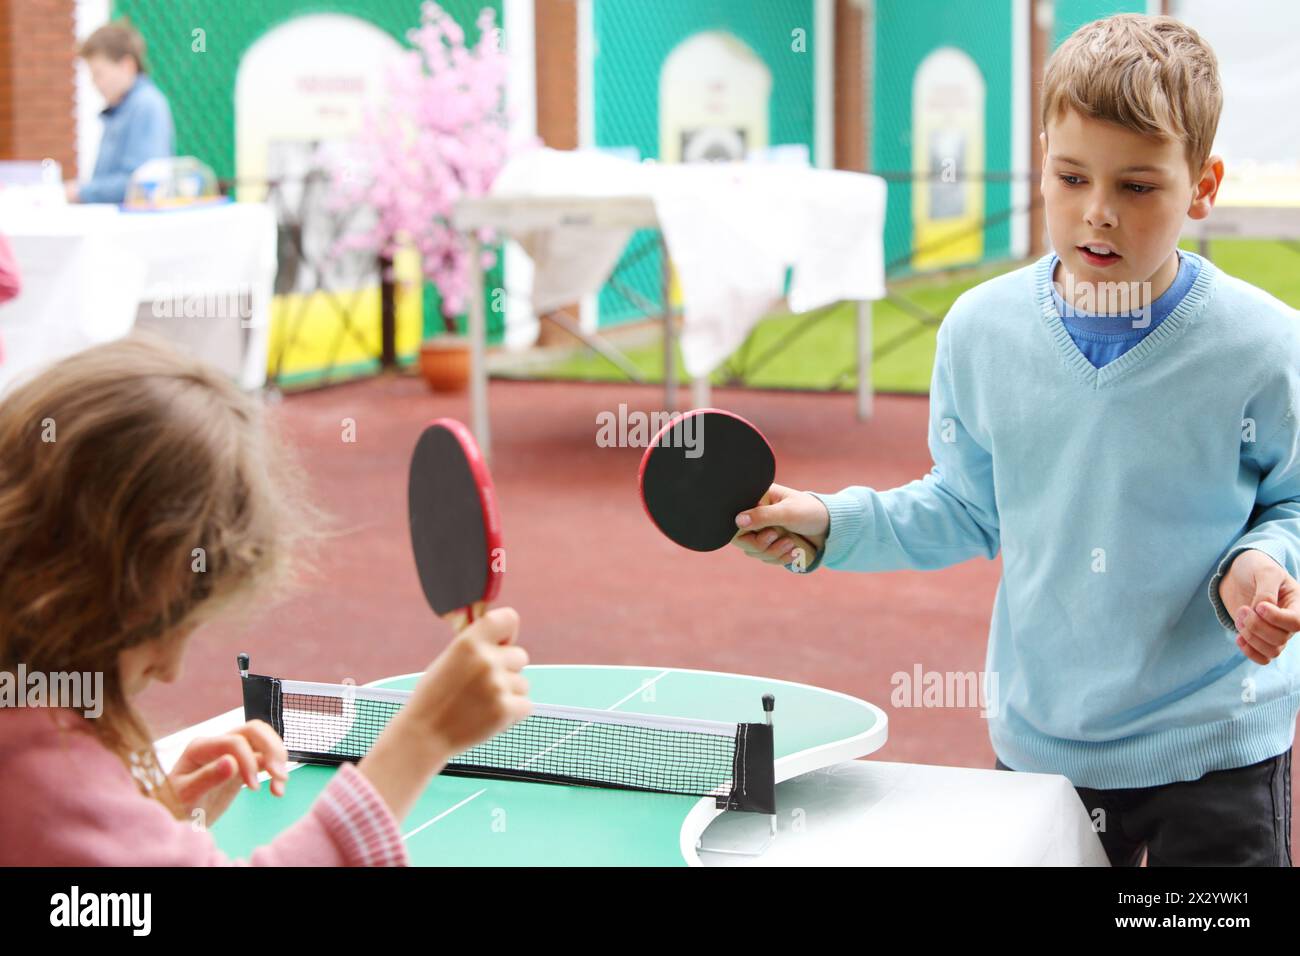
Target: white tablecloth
875,813
732,230
87,270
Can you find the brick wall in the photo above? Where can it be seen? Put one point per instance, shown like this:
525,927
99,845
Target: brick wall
555,24
556,27
850,89
37,81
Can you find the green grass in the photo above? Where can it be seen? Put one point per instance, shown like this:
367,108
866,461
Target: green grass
822,357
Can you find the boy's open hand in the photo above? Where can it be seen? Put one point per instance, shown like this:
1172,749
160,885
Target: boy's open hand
766,530
1263,600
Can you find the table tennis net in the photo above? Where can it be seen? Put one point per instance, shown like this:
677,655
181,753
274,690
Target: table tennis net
731,762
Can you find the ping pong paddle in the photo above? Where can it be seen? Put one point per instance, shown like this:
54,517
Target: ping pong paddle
455,529
701,470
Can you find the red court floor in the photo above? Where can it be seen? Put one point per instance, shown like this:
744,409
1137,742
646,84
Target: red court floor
592,579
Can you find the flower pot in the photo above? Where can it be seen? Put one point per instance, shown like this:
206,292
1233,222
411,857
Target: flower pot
445,363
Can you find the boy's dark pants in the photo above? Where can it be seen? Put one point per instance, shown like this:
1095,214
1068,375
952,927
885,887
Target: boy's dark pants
1238,817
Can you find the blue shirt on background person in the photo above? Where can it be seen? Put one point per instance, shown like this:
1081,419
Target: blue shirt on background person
137,128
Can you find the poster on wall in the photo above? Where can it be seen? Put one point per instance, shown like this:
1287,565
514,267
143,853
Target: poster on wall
948,103
714,95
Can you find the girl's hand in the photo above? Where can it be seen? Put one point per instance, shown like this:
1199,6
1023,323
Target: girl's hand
786,526
211,771
1263,600
475,688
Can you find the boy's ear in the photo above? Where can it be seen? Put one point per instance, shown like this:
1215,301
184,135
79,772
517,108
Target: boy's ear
1207,189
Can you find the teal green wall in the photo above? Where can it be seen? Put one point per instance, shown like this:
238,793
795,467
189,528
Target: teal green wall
1069,15
906,31
633,38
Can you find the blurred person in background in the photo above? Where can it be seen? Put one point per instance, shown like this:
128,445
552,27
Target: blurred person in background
137,119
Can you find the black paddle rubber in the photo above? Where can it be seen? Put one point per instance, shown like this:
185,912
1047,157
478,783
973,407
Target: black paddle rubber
701,470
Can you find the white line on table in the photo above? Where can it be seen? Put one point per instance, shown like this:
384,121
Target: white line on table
427,823
639,690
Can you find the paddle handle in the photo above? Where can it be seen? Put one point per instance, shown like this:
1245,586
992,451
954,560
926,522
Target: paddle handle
459,620
809,552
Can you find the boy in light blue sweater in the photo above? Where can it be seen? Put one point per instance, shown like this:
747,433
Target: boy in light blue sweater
1119,420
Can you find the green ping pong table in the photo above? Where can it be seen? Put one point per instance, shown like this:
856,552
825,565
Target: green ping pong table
480,821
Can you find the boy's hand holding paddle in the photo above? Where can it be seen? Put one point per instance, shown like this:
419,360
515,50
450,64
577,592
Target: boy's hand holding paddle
782,528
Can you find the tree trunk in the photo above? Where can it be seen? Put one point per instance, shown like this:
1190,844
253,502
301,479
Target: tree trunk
387,314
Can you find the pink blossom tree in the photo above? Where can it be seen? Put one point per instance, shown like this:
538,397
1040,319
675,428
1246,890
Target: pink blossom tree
439,135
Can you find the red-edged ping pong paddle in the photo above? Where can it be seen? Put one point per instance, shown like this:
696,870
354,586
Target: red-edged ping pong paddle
455,529
701,470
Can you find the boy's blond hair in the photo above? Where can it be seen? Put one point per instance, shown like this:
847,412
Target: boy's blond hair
1152,75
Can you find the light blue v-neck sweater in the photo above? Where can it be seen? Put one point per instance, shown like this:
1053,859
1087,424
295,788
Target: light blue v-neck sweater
1118,496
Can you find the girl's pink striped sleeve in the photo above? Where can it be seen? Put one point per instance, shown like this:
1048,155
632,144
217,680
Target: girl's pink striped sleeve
67,801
